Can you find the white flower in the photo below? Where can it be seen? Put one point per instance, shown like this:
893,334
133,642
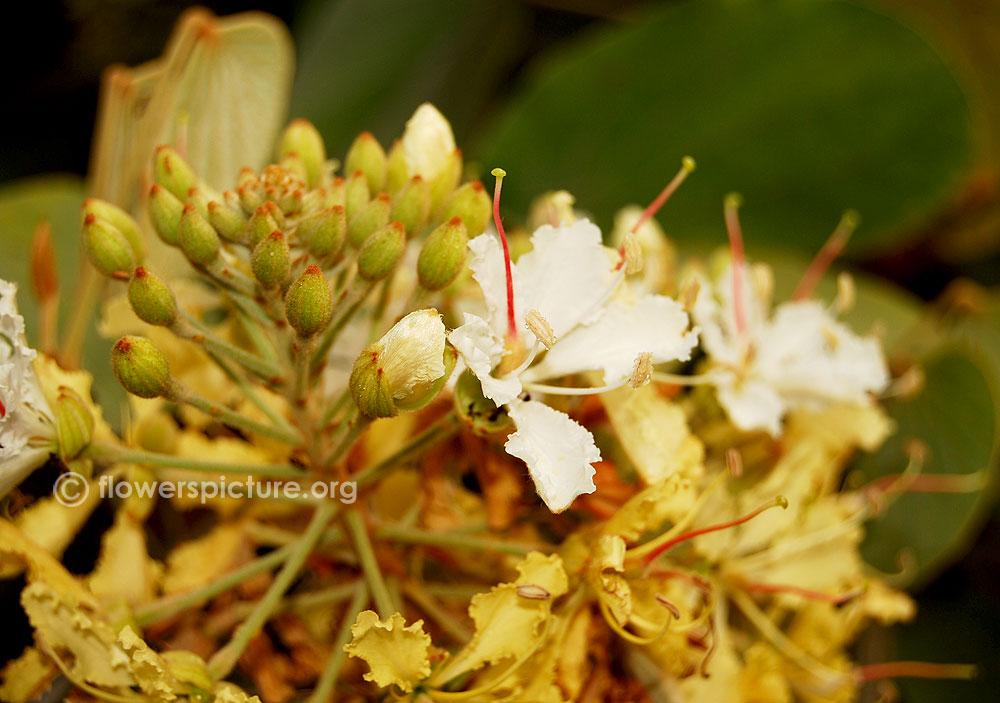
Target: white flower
428,143
27,427
412,353
800,356
567,280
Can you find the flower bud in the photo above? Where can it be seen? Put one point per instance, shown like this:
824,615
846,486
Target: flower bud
250,199
473,205
356,194
375,216
140,367
294,164
151,299
397,173
165,212
74,423
246,177
325,233
412,205
303,139
335,193
121,220
446,182
173,173
197,198
308,303
429,150
404,369
271,260
106,247
198,239
381,252
262,223
366,155
228,221
442,257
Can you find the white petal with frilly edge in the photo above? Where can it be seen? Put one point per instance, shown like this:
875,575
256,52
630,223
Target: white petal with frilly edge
558,451
481,350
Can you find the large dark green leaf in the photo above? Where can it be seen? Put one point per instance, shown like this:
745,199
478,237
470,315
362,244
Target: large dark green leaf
367,64
807,108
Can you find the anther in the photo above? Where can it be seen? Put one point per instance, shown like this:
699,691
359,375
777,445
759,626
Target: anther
642,370
674,610
845,293
533,591
734,463
689,294
632,251
540,327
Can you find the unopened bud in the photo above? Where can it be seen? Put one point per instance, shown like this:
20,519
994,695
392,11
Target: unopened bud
428,147
262,223
246,177
336,193
473,205
197,198
308,303
540,327
397,173
165,212
404,370
442,257
302,138
199,241
356,195
381,252
271,260
324,233
140,367
74,423
107,247
228,221
294,164
375,216
368,156
412,205
173,172
121,220
44,273
151,299
250,199
446,182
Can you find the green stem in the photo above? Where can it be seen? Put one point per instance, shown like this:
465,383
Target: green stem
437,432
352,298
369,565
236,377
172,605
412,535
192,329
427,603
260,340
223,661
335,408
355,428
103,452
323,693
180,394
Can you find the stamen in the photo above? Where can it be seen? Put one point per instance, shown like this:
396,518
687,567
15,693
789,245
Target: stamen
568,390
533,591
731,212
676,379
689,294
734,462
687,166
804,592
779,501
631,252
830,251
642,371
907,385
674,610
914,670
845,293
540,327
499,174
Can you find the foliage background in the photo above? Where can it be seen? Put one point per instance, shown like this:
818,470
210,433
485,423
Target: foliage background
807,108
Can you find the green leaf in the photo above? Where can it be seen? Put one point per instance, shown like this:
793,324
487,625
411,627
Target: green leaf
368,64
23,204
956,417
807,108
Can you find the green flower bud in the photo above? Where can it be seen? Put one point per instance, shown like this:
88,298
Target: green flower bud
412,205
375,216
173,173
366,155
442,257
271,260
262,223
356,194
250,199
480,413
246,178
397,173
74,423
228,221
446,181
335,193
121,220
381,252
151,299
199,241
473,205
106,247
303,139
325,233
197,198
140,367
294,164
308,303
405,369
165,212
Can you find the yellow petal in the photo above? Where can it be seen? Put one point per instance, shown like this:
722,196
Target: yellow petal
26,677
201,561
124,572
396,653
148,668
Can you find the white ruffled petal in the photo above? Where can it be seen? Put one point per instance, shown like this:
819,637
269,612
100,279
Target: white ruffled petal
481,350
654,323
558,452
753,405
488,269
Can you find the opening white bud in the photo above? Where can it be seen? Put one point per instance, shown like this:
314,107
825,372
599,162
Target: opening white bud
642,370
540,327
